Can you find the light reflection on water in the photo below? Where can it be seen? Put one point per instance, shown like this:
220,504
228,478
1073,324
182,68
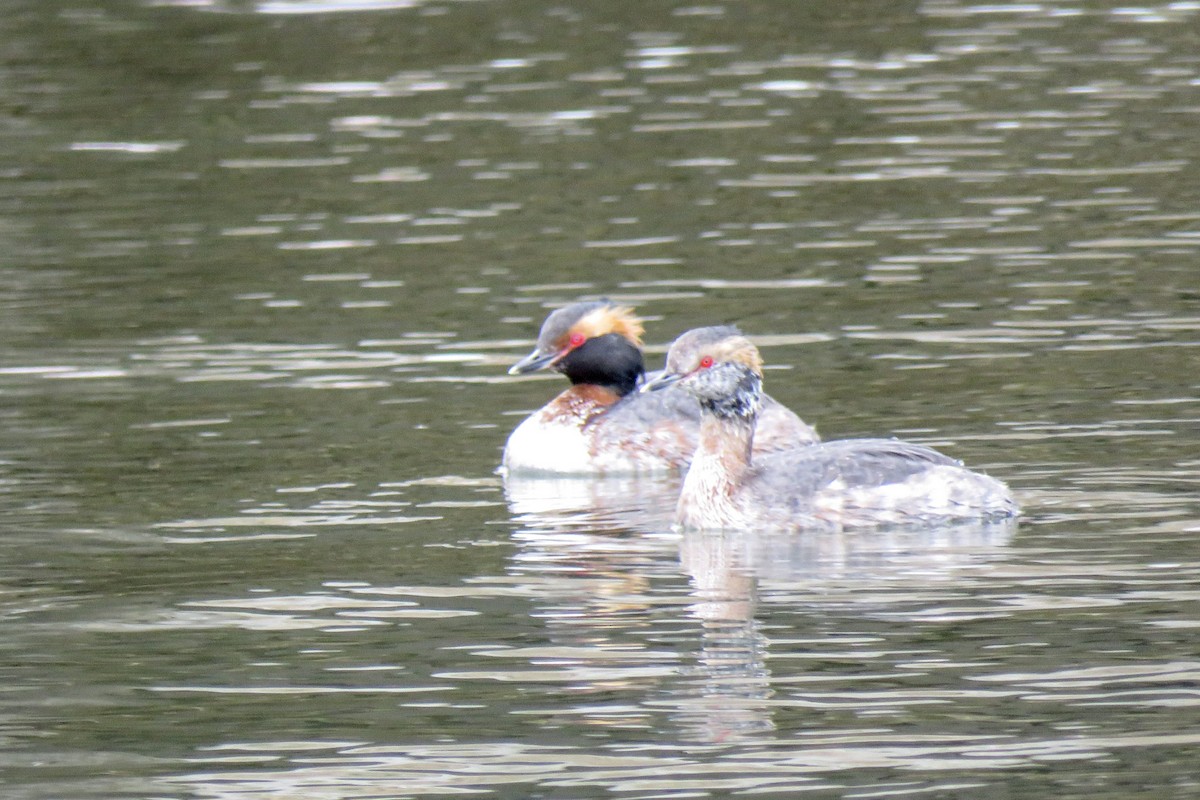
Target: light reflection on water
649,630
258,298
622,654
711,645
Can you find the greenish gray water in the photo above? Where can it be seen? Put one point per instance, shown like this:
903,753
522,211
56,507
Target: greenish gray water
264,265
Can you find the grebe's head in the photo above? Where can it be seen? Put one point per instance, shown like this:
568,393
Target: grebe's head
570,328
719,366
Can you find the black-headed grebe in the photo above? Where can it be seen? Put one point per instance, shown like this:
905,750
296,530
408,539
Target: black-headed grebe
840,484
602,424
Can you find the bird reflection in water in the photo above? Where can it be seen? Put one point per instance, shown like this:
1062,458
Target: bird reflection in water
610,577
738,578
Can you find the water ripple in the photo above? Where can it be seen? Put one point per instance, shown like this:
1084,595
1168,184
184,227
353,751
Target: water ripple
818,763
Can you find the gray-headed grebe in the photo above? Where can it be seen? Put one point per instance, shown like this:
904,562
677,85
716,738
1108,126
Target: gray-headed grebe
602,424
841,484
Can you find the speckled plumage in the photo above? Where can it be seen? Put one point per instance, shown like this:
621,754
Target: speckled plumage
601,424
842,484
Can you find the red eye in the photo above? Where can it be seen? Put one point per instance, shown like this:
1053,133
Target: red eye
577,339
706,362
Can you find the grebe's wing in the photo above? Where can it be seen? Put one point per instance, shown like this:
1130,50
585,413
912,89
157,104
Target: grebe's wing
849,463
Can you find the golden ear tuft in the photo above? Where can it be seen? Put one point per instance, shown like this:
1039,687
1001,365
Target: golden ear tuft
741,350
611,319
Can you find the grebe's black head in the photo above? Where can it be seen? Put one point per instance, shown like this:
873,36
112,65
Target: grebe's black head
591,342
608,360
720,367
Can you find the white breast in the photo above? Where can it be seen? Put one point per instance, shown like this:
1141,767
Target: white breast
705,500
541,444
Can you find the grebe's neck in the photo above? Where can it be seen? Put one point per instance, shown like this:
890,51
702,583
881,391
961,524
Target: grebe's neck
722,460
728,415
737,395
727,441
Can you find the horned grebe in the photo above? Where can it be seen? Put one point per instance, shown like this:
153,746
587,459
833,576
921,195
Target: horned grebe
602,425
842,484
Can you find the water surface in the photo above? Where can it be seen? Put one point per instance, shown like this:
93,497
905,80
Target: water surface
265,265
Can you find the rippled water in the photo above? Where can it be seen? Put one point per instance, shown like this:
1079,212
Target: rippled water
263,268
